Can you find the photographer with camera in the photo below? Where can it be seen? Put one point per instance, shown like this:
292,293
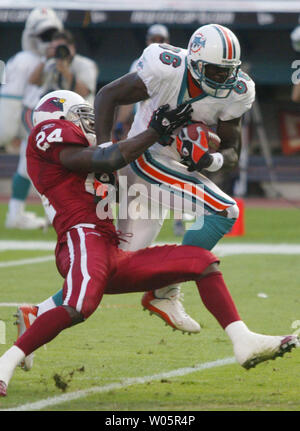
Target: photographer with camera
63,69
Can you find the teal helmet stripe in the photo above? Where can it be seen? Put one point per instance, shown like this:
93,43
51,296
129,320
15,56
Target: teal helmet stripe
229,52
233,46
223,41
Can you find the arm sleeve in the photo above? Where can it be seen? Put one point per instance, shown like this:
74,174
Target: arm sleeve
150,70
243,98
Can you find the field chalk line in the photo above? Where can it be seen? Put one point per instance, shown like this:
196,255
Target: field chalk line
51,401
21,262
219,250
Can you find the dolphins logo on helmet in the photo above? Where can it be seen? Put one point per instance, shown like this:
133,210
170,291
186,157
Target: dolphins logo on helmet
198,42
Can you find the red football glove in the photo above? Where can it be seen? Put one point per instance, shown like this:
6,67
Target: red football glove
192,145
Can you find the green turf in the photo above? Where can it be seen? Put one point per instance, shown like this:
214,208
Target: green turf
122,341
272,225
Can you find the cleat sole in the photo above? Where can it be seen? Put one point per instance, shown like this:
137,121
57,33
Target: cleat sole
286,347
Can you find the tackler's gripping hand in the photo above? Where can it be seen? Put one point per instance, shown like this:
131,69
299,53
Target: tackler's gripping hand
164,122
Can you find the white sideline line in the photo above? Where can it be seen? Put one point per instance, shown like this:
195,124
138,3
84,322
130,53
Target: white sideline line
26,261
220,249
48,402
27,245
233,249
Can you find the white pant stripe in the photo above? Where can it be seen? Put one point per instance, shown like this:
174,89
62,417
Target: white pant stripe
69,276
84,269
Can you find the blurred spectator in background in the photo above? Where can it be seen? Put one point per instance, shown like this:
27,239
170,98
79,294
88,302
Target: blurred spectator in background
295,38
63,69
17,99
157,33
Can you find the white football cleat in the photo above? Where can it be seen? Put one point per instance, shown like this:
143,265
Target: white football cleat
171,310
257,348
26,315
25,220
3,388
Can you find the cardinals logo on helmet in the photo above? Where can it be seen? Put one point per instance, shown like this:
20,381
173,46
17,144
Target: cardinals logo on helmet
198,42
52,105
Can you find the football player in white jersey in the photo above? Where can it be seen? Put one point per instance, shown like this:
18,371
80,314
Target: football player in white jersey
17,99
207,74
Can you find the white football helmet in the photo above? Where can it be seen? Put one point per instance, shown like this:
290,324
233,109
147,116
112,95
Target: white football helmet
216,45
39,28
66,105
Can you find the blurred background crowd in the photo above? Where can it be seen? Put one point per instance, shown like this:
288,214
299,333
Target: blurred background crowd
84,47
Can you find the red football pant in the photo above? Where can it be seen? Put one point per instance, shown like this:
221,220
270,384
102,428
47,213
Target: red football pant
92,266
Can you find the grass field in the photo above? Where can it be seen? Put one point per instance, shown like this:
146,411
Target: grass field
119,343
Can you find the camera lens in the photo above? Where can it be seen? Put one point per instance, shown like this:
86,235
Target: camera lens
62,52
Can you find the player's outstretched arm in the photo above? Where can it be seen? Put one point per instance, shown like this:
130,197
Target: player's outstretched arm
128,89
110,158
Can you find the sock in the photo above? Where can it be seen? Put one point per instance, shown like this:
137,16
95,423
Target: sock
9,361
44,329
166,292
217,299
20,187
207,232
237,331
52,302
15,208
203,233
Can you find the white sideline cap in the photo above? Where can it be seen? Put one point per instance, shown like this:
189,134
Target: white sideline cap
158,30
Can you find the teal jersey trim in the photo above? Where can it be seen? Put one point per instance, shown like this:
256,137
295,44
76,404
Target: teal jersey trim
181,176
150,159
163,186
11,96
183,89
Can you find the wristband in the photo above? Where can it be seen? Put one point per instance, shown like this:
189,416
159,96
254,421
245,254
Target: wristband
217,162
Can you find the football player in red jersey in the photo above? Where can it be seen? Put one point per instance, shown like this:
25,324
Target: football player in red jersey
60,160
